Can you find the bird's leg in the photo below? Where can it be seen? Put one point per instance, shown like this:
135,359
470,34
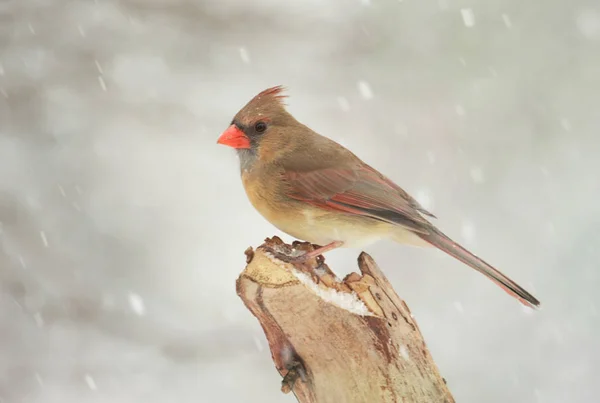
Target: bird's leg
319,251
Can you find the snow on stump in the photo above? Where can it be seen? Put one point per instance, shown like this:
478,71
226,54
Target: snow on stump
337,341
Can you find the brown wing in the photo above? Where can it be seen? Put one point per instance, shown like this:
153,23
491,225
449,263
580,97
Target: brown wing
359,190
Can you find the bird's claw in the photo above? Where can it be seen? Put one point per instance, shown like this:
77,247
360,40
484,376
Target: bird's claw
301,262
286,258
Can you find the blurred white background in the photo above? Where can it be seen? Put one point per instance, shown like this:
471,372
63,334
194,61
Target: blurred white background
123,224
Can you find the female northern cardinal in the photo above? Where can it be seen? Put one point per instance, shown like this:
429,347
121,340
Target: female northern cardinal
316,190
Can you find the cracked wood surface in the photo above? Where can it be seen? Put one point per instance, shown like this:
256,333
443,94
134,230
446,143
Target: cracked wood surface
323,347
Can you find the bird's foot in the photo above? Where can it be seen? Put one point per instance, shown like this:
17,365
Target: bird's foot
303,258
292,259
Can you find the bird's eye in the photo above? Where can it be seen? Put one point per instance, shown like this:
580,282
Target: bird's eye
260,127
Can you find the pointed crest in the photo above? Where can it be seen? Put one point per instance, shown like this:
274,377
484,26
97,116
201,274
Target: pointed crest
266,105
276,93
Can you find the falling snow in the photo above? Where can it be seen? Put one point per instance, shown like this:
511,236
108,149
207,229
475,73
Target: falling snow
343,103
460,110
102,83
90,382
137,304
527,310
365,90
468,232
258,343
424,198
477,175
99,67
565,124
44,239
468,16
39,321
244,55
62,191
588,23
550,228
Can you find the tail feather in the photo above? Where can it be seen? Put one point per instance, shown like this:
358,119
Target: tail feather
442,242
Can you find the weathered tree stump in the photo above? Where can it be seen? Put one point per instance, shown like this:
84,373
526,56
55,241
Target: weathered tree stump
338,341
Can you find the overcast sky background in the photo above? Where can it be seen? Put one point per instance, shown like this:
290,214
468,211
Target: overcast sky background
123,223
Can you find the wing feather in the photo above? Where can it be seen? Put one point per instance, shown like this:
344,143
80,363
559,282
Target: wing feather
359,190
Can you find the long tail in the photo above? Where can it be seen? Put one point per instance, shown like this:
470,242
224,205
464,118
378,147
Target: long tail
442,242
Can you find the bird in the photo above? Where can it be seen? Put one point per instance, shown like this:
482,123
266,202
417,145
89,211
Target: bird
316,190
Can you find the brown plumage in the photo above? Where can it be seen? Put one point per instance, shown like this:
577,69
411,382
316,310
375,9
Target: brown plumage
314,189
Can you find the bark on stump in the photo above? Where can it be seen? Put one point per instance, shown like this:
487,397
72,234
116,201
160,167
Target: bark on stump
338,341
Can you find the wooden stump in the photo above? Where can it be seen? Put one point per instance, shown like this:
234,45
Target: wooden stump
337,341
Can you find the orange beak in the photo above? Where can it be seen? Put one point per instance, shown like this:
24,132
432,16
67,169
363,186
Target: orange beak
234,137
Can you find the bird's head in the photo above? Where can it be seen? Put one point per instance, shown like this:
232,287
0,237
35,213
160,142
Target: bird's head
260,121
